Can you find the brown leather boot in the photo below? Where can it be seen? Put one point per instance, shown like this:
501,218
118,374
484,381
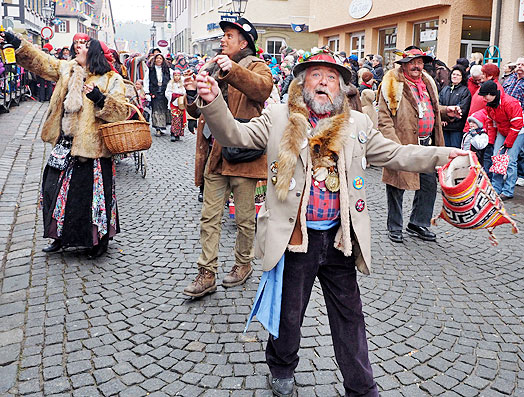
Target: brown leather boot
204,284
237,276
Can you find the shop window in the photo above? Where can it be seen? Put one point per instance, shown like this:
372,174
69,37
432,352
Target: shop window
357,44
333,43
273,46
475,36
425,35
387,43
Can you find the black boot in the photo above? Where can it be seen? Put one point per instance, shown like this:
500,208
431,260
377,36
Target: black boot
98,250
56,245
201,194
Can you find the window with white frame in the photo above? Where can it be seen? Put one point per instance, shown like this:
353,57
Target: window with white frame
333,43
273,46
357,44
62,28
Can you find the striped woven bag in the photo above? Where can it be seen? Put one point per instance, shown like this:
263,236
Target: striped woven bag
468,199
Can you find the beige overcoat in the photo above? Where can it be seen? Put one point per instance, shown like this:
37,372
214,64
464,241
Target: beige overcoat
278,219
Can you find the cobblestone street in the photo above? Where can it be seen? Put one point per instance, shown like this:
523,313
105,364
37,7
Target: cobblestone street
443,319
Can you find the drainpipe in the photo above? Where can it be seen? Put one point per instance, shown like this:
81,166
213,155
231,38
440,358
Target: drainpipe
497,22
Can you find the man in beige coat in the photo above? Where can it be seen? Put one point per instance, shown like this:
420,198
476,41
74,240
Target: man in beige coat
315,220
409,113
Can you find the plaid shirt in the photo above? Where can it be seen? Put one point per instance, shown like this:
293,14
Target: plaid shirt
427,122
515,87
322,205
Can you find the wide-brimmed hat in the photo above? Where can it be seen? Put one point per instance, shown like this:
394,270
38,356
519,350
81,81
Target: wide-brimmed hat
246,28
411,53
323,59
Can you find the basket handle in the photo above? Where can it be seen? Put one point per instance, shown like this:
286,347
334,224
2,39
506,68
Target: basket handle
137,110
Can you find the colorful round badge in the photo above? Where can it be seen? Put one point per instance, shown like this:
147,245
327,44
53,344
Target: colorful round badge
360,205
274,167
358,182
362,137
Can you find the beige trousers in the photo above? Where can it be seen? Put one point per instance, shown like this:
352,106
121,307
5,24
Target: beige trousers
216,191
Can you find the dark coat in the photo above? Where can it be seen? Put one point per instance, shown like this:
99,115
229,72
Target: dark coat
154,88
456,96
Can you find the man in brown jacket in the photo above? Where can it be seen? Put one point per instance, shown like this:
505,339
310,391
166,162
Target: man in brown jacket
409,113
246,82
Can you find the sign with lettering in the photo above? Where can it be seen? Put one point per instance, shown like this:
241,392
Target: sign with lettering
212,26
360,8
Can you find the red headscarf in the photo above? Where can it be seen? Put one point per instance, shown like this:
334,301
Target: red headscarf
108,55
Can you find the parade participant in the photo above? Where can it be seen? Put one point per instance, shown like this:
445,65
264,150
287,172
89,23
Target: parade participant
78,190
247,82
475,79
317,150
456,93
504,127
514,83
174,93
378,70
156,84
409,113
79,41
117,64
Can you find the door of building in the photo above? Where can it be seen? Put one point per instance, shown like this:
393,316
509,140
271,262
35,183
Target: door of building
357,44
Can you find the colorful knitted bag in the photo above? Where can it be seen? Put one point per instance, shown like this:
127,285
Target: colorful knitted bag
469,201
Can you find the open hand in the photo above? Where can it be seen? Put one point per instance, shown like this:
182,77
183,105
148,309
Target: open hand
457,152
207,87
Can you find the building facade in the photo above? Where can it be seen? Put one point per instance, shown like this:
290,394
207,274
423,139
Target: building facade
25,17
180,15
507,30
449,28
272,18
104,23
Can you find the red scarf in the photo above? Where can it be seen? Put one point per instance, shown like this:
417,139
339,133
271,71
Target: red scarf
421,87
314,118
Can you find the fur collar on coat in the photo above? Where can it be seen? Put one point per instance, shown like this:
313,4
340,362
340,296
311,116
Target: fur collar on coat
325,140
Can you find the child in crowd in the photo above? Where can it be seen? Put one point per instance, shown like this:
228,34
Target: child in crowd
476,139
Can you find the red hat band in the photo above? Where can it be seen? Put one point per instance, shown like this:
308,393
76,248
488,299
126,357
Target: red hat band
322,57
80,36
413,53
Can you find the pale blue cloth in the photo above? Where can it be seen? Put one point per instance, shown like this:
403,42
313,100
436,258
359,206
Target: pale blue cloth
268,300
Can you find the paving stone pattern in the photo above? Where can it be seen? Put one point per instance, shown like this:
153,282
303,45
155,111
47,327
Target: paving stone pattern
444,319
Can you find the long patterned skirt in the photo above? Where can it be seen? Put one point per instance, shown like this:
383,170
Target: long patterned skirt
178,121
79,203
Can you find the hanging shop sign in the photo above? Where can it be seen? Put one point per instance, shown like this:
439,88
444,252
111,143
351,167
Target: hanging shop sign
162,43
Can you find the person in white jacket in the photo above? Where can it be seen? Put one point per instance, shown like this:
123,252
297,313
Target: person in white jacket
175,99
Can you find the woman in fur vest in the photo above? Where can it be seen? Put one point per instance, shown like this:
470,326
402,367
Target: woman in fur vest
78,188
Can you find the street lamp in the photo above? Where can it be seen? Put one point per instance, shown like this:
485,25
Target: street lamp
239,7
47,12
153,35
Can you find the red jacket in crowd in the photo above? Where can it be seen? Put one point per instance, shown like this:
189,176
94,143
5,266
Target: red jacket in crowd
472,86
505,119
478,103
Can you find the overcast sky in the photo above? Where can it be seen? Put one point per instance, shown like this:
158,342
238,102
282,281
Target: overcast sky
131,10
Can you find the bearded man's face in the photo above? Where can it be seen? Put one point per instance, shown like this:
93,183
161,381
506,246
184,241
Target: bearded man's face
322,89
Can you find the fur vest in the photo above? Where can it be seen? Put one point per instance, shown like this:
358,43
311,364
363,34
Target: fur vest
398,121
70,110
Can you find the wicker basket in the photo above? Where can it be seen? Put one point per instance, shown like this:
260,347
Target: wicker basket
127,136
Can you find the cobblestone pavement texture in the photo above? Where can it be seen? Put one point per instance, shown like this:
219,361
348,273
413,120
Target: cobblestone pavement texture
444,319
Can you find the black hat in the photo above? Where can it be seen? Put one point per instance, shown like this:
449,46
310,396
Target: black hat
246,28
489,87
